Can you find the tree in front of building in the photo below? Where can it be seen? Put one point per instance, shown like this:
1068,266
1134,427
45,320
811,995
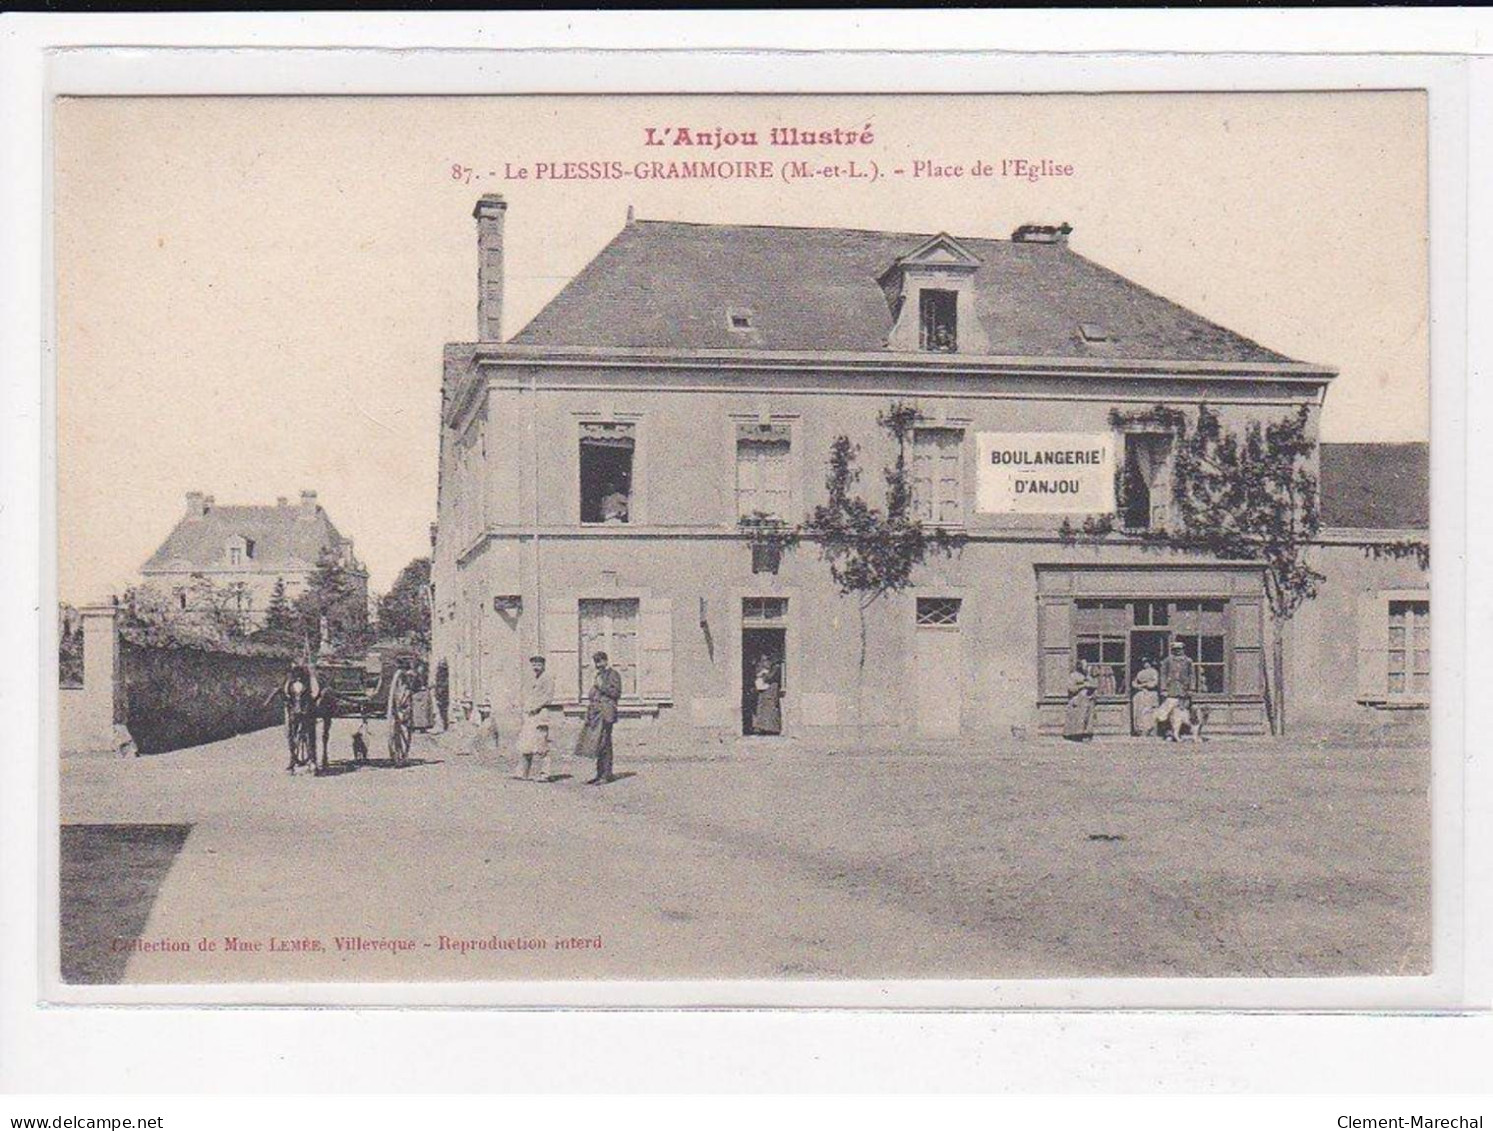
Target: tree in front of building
404,611
872,551
281,625
334,605
1249,496
196,615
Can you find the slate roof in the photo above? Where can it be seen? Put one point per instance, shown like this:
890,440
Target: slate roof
669,285
282,539
1376,486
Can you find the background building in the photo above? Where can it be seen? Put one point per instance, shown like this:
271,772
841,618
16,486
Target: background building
245,550
596,471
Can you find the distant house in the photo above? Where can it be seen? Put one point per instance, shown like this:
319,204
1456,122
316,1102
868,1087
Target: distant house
246,550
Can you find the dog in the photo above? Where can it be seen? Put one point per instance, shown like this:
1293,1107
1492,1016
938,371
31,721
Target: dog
360,746
1192,718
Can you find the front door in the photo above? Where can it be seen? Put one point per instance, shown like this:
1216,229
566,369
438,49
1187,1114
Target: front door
1147,645
939,688
762,708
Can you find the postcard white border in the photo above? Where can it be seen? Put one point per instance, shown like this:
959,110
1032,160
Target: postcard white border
1457,87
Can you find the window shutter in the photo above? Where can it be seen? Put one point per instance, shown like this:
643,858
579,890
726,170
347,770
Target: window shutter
562,636
774,480
951,486
657,678
1373,647
746,479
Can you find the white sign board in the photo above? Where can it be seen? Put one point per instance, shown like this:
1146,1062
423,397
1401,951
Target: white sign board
1045,473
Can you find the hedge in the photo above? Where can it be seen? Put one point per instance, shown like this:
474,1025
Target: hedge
180,697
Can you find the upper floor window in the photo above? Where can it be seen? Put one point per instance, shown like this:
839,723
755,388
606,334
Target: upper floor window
235,555
938,320
938,479
1147,480
606,459
764,484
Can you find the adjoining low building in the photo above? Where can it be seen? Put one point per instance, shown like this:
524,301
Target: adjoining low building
244,551
600,472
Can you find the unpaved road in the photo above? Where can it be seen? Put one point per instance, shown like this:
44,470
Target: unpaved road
1044,859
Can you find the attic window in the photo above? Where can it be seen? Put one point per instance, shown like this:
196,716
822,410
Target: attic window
938,320
1093,332
738,318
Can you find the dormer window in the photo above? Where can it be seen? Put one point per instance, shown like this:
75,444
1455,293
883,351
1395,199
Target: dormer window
931,293
938,320
240,550
1093,332
738,318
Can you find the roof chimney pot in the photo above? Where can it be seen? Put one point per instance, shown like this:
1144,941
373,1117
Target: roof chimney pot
195,499
308,504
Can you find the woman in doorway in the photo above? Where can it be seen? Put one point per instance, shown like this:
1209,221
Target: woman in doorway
767,710
1144,702
1078,718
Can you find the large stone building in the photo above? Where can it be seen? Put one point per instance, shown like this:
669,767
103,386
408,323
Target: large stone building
243,551
595,470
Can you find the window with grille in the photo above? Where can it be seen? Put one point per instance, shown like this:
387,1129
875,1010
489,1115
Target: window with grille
610,626
938,612
938,475
1410,648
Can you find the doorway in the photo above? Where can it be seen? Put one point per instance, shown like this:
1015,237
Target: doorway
762,712
1147,645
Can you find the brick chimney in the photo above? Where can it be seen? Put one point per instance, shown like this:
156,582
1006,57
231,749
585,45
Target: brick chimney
308,504
490,210
282,501
195,500
1042,233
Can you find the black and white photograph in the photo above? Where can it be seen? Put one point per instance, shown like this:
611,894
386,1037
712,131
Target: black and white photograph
786,538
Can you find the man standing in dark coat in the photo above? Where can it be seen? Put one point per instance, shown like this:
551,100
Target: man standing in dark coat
1176,691
601,714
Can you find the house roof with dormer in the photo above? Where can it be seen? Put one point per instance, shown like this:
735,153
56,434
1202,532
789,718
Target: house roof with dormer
286,538
671,285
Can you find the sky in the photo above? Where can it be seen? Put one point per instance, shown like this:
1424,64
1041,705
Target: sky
253,293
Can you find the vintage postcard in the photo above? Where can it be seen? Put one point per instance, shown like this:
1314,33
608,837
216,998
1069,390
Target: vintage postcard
540,539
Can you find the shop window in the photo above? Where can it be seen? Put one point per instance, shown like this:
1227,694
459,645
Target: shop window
764,480
1200,626
1151,614
611,626
1410,648
606,459
938,612
938,480
938,322
1147,481
1102,640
